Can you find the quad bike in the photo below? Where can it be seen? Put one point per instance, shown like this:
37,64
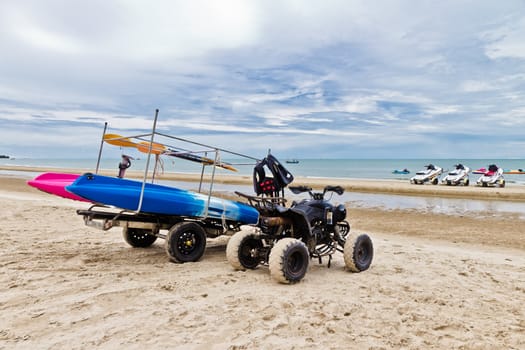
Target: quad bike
286,238
492,177
430,174
457,176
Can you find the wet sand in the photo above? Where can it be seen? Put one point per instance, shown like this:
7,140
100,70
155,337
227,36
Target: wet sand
437,282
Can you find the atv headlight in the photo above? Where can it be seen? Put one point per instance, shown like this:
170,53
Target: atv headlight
339,213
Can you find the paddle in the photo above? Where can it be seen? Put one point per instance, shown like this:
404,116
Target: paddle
117,140
158,149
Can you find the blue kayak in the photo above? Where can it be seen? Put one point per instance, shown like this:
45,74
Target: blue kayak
159,199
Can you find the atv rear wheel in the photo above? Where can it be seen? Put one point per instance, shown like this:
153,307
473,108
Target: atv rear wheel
242,250
138,237
185,242
358,252
288,261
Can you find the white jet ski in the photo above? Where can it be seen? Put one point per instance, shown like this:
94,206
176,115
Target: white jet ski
430,174
458,176
492,177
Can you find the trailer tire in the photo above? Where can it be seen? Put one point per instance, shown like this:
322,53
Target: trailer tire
185,242
289,260
358,252
138,237
241,248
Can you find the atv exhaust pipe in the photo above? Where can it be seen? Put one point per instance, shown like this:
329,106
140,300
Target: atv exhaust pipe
275,221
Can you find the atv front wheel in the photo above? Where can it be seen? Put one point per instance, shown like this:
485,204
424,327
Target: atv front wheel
358,252
242,250
138,237
288,261
185,242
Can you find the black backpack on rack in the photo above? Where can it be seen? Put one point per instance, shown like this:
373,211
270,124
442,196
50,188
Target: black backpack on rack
274,185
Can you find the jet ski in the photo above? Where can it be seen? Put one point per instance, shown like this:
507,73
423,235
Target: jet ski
492,177
458,176
430,174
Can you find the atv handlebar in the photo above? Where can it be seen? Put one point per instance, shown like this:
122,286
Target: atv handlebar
316,195
337,189
299,189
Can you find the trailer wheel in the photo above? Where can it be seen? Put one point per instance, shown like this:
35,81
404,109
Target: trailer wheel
185,242
358,252
501,183
242,250
466,183
288,261
138,237
435,181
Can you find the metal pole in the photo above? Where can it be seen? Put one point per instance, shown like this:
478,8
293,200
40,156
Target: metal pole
212,179
101,145
207,146
202,173
154,167
147,162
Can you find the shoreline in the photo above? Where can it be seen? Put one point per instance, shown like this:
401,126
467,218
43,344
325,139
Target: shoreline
392,187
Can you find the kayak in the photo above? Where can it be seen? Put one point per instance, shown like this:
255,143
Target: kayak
55,183
514,171
159,199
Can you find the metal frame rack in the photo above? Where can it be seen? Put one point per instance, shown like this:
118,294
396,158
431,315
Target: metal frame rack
151,143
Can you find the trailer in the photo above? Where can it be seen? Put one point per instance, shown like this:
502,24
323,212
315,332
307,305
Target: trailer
185,239
143,218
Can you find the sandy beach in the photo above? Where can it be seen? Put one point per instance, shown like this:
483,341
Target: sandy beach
436,282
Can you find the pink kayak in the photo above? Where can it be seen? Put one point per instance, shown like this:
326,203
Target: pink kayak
55,183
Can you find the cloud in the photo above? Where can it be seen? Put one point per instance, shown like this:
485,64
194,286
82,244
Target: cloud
350,77
507,40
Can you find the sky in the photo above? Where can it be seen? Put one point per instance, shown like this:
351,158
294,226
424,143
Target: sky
306,79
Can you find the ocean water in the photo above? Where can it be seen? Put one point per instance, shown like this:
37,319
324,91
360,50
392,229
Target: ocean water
380,169
331,169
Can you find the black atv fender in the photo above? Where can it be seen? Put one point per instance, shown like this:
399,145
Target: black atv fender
301,226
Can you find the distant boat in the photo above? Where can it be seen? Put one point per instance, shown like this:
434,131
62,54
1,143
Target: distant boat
292,161
404,171
3,156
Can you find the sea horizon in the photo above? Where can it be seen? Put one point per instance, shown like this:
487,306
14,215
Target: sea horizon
373,168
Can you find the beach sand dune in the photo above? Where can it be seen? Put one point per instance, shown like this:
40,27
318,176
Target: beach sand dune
436,282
